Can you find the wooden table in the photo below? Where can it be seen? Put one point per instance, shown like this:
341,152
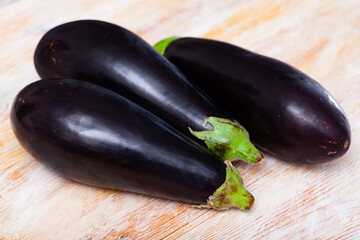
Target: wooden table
322,38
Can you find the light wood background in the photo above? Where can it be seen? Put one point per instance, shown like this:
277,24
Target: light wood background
322,38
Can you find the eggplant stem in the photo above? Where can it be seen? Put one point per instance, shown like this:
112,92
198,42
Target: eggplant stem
229,140
162,45
231,194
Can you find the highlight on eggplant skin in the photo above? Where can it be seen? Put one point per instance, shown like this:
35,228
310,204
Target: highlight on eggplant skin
94,136
287,113
115,58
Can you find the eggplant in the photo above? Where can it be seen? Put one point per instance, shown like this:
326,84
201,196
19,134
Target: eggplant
115,58
287,113
94,136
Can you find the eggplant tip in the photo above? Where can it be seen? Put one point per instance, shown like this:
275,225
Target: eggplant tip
162,45
229,140
232,193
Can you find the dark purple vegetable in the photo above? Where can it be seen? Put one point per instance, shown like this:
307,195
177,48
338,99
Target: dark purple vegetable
288,114
95,136
117,59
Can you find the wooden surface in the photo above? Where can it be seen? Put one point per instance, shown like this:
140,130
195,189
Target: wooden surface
322,38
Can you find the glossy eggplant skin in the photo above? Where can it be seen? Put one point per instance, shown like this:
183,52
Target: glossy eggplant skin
287,113
117,59
92,135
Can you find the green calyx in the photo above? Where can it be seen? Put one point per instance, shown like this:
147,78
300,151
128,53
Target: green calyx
229,140
231,194
161,46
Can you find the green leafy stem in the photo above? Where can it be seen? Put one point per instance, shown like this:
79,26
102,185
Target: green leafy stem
229,140
231,194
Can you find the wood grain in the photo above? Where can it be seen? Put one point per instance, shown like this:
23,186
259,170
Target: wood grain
322,38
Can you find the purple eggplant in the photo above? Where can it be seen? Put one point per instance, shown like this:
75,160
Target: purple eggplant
287,113
115,58
94,136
